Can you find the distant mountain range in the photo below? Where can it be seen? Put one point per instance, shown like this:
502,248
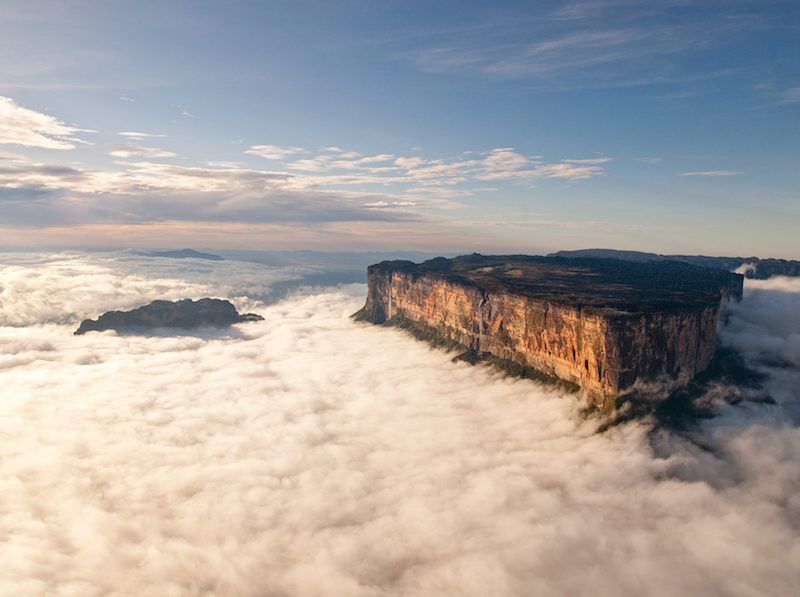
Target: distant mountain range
185,254
751,267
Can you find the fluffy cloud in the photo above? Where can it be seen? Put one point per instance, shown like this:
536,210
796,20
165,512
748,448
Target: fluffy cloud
309,455
767,325
22,126
505,161
121,280
329,185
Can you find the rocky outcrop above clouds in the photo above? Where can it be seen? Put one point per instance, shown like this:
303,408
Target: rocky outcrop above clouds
602,324
185,314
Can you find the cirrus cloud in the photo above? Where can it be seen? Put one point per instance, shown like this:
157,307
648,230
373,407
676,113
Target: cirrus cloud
22,126
711,173
273,152
128,150
139,135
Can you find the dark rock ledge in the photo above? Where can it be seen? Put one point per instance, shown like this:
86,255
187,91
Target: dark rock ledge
184,314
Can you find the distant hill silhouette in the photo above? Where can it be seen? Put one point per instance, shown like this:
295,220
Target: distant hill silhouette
185,254
754,267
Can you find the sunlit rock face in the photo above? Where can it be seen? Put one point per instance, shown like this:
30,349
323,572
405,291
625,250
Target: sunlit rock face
602,324
184,314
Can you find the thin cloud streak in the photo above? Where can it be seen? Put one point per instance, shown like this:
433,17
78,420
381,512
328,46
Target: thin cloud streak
589,45
138,135
127,150
712,173
273,152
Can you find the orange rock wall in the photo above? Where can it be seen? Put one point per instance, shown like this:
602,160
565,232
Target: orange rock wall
603,352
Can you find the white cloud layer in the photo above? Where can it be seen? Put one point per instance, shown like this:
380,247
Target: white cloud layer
22,126
767,326
309,455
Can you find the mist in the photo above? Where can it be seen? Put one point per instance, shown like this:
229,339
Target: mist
311,455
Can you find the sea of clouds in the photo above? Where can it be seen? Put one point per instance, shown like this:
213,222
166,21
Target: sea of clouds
311,455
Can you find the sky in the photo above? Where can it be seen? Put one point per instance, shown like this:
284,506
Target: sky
671,126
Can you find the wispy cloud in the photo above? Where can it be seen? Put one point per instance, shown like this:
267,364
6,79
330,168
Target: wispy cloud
608,43
273,152
184,112
127,150
22,126
384,204
331,184
503,163
587,8
776,95
13,157
146,191
710,173
789,96
140,135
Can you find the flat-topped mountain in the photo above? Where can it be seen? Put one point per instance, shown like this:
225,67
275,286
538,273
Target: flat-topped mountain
754,267
602,324
185,314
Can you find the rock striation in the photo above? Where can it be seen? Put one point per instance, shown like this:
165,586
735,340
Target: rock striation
186,314
602,324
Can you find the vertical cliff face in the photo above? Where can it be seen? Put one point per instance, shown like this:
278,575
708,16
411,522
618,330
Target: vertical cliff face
520,314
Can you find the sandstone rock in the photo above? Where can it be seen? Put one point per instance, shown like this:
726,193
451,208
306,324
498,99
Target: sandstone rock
602,324
206,312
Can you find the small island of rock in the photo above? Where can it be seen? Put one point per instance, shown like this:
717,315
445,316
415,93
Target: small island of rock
185,314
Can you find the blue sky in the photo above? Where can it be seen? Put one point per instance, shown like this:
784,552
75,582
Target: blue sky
671,126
